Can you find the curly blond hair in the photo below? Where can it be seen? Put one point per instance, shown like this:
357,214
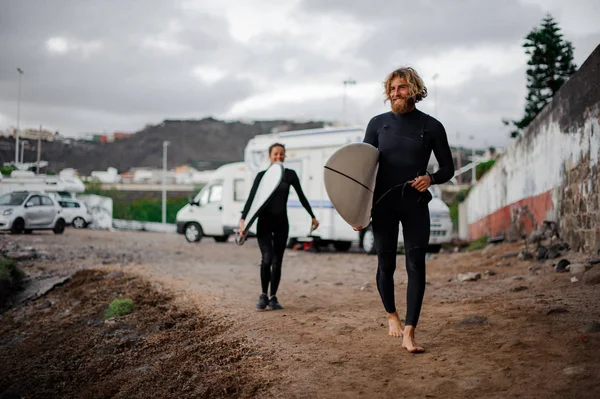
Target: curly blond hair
417,89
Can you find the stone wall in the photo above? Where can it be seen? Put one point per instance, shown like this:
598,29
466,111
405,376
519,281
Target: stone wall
580,207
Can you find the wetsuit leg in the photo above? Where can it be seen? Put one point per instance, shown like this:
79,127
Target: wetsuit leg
264,236
385,225
416,230
280,237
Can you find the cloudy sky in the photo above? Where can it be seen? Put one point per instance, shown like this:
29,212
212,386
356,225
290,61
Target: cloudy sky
117,65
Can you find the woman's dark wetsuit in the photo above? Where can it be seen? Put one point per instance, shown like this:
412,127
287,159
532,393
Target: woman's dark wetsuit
405,143
272,227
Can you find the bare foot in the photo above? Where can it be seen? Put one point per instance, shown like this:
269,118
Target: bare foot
395,325
408,341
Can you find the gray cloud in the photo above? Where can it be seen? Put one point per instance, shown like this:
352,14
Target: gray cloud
408,30
122,76
584,46
124,82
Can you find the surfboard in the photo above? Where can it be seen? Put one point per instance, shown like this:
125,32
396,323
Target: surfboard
349,177
265,191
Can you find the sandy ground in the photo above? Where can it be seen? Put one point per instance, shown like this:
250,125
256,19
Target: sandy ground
521,331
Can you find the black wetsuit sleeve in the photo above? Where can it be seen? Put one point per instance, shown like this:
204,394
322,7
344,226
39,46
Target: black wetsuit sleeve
371,136
296,184
443,154
252,194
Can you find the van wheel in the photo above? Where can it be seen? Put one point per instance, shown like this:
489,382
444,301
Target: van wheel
59,227
367,241
18,226
221,238
342,246
193,232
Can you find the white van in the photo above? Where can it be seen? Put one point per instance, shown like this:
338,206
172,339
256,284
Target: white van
217,208
215,211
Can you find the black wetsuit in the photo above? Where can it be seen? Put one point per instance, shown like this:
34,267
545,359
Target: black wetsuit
405,143
272,227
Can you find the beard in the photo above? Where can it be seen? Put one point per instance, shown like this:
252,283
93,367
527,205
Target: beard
403,106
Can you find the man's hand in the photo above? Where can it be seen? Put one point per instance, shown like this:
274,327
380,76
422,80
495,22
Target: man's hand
241,228
421,183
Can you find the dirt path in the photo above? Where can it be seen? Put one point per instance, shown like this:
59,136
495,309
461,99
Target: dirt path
495,337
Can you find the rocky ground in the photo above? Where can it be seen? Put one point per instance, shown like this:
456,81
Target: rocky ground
495,323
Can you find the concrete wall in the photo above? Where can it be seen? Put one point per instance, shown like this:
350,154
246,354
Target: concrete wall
549,173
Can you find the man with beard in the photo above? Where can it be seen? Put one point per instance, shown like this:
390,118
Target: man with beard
405,138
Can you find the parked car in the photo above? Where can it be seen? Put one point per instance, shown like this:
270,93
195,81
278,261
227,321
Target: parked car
25,211
75,213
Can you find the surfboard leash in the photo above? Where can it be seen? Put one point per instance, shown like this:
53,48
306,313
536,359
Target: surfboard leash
349,177
239,239
403,185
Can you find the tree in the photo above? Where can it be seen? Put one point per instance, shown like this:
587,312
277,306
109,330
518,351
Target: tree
6,170
550,66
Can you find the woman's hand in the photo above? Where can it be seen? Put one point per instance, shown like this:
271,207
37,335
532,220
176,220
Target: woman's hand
315,224
241,228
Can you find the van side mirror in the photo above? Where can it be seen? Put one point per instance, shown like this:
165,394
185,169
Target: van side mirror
192,202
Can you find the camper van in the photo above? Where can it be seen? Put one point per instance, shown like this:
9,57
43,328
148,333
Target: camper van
57,186
215,211
306,153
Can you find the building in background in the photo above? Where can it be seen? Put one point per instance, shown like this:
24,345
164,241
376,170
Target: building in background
35,134
121,135
111,175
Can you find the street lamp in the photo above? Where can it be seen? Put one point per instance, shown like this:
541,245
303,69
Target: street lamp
164,182
18,118
347,82
474,169
23,143
435,99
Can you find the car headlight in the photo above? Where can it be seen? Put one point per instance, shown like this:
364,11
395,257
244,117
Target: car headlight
7,212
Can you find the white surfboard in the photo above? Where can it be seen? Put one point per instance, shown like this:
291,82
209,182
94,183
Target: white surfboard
265,191
349,178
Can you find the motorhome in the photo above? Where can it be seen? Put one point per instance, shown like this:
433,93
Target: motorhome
58,186
306,153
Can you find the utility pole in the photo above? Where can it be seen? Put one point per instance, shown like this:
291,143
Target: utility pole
474,169
435,109
39,152
347,82
23,142
18,118
458,157
164,182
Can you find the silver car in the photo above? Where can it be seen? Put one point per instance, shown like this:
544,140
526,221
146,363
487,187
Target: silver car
25,211
75,212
